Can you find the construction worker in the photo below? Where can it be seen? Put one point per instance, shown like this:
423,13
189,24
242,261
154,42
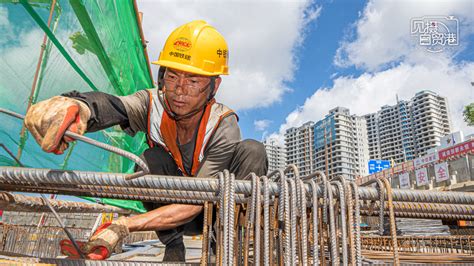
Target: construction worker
188,132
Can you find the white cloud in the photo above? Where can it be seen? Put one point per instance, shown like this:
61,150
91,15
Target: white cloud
5,28
382,34
262,38
368,92
17,68
4,22
394,66
261,125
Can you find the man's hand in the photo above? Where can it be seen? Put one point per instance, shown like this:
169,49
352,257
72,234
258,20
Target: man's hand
48,121
101,244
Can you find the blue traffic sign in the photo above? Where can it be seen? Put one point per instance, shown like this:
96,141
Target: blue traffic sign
378,165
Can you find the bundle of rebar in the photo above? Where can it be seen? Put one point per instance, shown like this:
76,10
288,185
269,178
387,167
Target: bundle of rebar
279,219
23,203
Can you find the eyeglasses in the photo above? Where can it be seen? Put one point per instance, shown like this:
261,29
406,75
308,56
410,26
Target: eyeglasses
190,86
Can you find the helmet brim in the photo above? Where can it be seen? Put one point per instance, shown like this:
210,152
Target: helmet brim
188,68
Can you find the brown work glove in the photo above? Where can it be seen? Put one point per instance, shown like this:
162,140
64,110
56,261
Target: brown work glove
49,119
101,244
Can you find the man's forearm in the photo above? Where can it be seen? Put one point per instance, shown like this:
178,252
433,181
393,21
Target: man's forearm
164,218
106,110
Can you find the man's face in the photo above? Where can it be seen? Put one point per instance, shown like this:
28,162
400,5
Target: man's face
186,92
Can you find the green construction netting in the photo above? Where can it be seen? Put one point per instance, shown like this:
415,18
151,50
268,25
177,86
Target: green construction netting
90,45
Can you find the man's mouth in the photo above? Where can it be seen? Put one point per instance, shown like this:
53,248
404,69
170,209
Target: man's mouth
179,103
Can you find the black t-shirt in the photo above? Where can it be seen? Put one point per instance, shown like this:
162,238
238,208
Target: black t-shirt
187,151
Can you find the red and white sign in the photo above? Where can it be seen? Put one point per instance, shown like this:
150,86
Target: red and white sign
441,171
421,176
457,150
404,180
427,159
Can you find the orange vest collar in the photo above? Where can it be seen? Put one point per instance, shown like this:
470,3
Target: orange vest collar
169,133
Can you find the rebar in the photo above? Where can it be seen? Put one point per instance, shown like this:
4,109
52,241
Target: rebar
18,202
434,208
256,227
381,191
332,228
24,176
314,206
205,235
342,207
303,219
393,227
358,245
231,210
350,216
291,209
266,222
287,223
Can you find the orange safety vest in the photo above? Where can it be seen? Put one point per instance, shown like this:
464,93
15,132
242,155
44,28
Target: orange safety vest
162,130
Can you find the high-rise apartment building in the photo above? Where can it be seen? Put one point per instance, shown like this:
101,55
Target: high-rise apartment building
347,142
299,144
430,121
276,154
340,142
373,135
408,129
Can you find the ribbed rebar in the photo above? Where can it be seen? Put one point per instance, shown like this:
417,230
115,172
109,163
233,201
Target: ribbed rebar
231,210
281,215
287,224
422,207
249,216
350,221
342,203
24,176
18,202
393,226
290,209
332,229
293,211
266,221
350,216
196,197
381,191
205,232
303,219
358,243
315,200
426,215
220,254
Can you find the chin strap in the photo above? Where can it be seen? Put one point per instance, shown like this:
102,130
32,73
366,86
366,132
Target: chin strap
164,101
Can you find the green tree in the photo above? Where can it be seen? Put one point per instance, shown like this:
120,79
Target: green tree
469,114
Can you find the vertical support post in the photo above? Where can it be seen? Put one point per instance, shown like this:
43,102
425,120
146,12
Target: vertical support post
37,71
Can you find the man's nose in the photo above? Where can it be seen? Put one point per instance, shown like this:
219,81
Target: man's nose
180,85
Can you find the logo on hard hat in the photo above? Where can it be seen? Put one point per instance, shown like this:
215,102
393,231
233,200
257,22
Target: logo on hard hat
182,44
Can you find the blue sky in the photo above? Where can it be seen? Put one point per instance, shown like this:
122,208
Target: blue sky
315,58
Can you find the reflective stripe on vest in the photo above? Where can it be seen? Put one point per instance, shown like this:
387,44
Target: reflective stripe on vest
162,130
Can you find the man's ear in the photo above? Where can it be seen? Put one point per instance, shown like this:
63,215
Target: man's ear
217,84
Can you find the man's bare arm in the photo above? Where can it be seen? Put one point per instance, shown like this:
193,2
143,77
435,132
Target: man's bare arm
164,218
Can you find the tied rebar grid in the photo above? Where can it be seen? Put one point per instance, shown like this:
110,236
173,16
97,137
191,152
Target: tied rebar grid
317,220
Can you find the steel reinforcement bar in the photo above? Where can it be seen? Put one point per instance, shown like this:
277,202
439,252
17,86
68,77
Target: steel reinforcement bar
34,177
17,202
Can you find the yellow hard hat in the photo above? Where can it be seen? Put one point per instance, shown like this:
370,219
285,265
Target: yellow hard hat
196,47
